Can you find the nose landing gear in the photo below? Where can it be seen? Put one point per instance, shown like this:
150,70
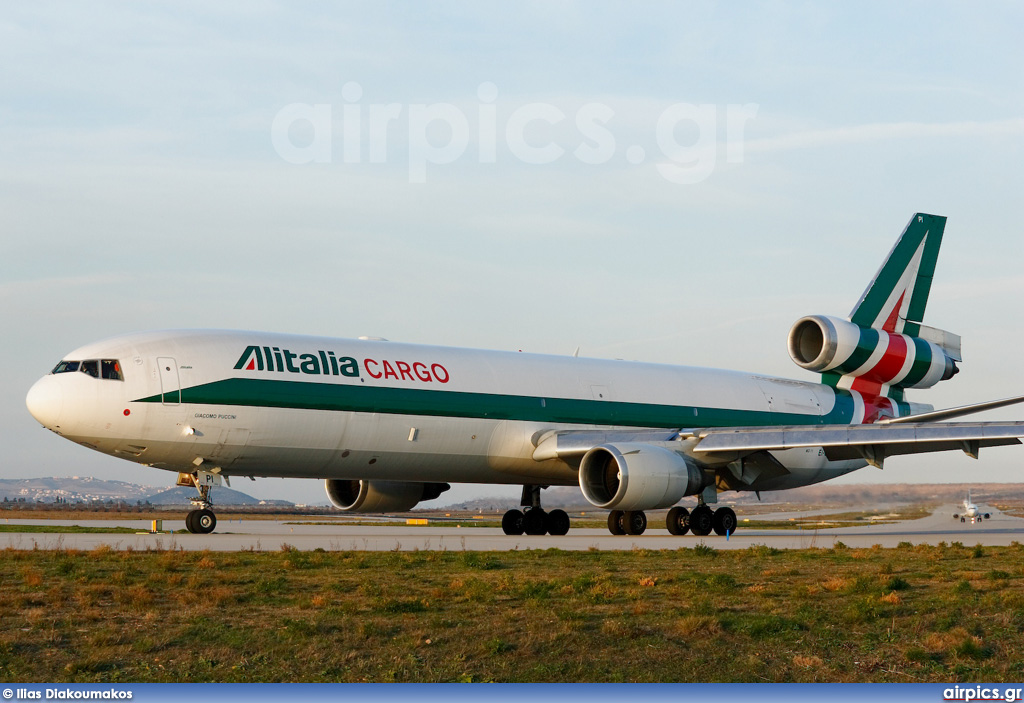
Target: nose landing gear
201,519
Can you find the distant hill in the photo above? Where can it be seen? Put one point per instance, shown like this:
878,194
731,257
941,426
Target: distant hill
91,490
222,494
72,489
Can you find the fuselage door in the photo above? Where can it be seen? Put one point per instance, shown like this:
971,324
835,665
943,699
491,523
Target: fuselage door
169,384
791,397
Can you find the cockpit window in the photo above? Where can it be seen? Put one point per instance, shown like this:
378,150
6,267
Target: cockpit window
97,368
111,369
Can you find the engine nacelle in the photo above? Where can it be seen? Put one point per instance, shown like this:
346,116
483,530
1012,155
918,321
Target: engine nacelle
822,343
638,476
380,496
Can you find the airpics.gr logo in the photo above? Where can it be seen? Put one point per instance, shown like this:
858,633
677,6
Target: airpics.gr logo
326,363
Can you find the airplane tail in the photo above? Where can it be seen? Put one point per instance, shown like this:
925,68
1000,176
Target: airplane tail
896,298
883,347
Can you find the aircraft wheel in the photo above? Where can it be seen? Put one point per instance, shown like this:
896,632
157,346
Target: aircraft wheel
678,520
535,522
635,522
204,521
190,521
724,521
963,519
512,522
701,520
615,524
558,522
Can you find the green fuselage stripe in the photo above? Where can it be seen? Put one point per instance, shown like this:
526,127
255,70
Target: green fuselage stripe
408,401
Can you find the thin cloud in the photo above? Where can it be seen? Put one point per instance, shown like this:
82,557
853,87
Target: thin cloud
882,131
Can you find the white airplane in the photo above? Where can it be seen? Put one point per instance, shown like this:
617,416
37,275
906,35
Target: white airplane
971,511
388,425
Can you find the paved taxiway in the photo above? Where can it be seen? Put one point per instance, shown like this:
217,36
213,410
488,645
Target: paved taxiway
270,535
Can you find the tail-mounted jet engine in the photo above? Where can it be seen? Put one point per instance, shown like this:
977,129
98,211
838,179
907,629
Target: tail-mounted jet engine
832,345
638,476
380,496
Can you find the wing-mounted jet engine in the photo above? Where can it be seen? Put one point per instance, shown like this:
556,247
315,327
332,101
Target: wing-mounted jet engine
631,477
380,496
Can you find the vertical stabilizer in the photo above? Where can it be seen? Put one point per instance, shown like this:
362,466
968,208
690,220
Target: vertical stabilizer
895,299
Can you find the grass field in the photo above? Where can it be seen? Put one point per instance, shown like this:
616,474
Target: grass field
67,529
920,613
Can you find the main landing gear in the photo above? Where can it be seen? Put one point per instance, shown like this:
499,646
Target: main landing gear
200,520
701,521
534,520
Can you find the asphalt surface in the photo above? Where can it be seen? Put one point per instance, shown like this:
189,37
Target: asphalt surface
271,535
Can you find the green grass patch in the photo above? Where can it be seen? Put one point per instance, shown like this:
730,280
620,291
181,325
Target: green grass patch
69,529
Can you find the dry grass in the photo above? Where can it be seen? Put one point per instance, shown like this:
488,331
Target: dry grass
836,583
832,615
693,625
942,641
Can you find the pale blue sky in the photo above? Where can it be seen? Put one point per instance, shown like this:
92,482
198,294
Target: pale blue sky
139,187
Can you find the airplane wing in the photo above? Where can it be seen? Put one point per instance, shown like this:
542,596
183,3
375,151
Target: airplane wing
914,434
872,443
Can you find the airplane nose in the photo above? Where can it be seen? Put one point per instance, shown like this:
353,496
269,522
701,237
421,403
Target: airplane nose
45,400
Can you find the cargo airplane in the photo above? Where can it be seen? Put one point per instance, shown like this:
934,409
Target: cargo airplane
387,425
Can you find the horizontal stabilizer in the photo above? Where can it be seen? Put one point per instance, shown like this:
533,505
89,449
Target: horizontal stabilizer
946,341
951,413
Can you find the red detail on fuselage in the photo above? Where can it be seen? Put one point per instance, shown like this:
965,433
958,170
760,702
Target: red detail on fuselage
251,366
894,316
878,408
417,371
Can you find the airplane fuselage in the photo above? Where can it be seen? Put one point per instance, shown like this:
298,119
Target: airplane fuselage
257,404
